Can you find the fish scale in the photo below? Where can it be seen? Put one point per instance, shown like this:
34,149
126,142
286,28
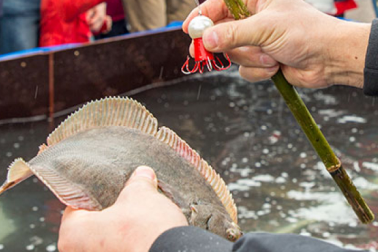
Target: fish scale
90,156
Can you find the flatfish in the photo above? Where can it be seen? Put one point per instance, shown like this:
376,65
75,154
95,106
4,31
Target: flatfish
89,157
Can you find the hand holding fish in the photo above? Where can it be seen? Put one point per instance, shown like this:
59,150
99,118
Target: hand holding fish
313,49
133,223
91,155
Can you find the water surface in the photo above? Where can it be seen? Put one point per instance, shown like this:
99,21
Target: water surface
247,134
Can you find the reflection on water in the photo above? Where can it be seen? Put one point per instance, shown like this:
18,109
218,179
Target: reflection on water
248,135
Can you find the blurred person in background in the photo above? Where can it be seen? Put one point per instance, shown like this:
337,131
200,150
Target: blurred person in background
65,21
19,25
152,14
114,9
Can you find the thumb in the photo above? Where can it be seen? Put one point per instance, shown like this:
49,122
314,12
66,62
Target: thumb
143,176
143,180
229,35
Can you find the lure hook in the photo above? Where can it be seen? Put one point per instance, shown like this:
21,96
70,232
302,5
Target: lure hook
202,57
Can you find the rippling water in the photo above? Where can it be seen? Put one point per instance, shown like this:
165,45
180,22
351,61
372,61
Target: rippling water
248,135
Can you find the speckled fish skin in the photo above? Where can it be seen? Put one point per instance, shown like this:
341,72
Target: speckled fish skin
90,156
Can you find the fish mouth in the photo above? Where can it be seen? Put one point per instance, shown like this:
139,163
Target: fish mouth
6,186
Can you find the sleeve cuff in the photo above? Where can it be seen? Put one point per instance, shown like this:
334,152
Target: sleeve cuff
190,238
371,62
266,242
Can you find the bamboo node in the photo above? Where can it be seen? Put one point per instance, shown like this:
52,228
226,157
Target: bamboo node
335,167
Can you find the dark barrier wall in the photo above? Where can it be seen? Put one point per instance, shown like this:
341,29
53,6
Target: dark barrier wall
53,81
24,86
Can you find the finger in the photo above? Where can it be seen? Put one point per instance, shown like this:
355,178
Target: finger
254,74
255,31
248,56
216,10
95,17
143,173
191,50
67,212
251,56
70,213
213,9
96,12
89,15
74,224
95,27
143,179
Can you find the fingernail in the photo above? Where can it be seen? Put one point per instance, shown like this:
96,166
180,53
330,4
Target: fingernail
144,171
272,69
267,61
211,39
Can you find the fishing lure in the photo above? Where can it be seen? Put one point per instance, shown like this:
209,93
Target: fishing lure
202,57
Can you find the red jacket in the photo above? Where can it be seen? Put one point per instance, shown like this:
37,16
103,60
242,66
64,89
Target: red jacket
64,21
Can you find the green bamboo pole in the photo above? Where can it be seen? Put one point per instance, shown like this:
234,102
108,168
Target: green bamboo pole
321,146
313,133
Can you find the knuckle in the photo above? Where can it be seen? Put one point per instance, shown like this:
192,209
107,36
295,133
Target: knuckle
231,34
254,74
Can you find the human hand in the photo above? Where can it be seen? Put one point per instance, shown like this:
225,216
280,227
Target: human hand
96,17
313,49
133,223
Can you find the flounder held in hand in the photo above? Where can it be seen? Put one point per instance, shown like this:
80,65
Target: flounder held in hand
90,156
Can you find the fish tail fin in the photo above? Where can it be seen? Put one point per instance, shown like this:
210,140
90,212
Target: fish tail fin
18,171
73,196
68,193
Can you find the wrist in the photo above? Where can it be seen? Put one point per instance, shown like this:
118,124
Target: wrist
346,53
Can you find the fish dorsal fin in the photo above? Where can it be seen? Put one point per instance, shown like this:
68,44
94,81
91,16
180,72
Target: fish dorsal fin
115,111
42,148
169,137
